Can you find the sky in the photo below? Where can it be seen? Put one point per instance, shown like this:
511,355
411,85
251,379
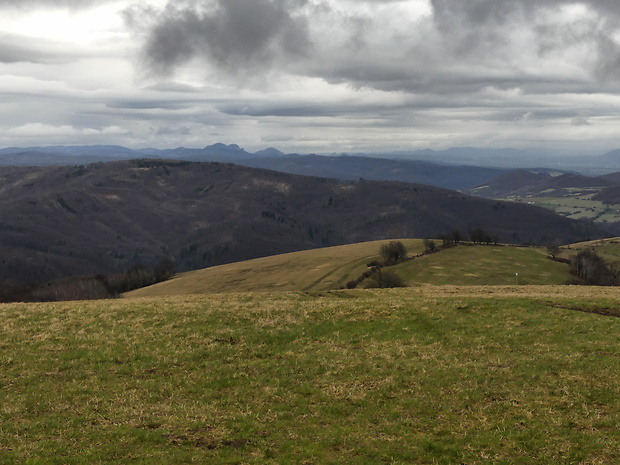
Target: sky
309,76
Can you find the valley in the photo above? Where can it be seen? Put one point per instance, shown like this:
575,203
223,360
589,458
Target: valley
62,221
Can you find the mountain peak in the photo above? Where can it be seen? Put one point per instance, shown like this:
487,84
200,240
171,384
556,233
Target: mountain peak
223,147
269,152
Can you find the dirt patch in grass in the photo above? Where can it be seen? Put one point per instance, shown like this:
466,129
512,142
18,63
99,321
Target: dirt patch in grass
605,311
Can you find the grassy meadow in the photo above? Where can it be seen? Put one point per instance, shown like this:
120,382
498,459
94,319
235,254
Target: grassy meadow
431,375
485,265
331,268
308,270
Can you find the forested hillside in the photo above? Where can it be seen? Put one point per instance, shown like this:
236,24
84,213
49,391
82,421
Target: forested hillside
107,217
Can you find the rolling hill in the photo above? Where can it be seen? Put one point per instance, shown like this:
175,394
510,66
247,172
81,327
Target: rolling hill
331,268
106,217
308,270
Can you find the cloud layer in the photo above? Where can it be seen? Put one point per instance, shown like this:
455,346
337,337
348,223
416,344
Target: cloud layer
457,46
321,75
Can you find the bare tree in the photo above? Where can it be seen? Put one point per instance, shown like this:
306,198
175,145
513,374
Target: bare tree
553,250
394,252
430,245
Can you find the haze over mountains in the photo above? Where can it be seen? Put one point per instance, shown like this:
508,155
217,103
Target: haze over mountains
489,158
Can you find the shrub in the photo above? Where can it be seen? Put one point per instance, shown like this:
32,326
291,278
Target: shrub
383,278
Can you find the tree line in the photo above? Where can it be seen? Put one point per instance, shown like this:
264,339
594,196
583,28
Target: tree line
587,265
109,286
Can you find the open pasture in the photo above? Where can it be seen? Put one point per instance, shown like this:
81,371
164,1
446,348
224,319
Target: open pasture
453,374
331,268
308,270
485,265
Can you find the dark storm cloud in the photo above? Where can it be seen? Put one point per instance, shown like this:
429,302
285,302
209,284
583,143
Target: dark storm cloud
235,36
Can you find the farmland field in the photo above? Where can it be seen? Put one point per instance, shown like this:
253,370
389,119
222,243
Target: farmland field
577,208
431,374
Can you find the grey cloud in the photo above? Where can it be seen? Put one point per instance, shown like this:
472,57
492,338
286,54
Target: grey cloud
73,4
17,49
169,131
174,87
166,102
580,121
498,12
12,53
462,21
233,35
608,65
298,109
465,50
150,104
481,27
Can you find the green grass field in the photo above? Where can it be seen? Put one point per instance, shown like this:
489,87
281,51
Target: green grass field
331,268
486,265
419,375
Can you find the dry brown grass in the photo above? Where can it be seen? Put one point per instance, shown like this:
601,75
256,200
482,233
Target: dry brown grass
588,292
309,270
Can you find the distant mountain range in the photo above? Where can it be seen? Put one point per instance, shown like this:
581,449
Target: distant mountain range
504,159
357,167
340,167
60,221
